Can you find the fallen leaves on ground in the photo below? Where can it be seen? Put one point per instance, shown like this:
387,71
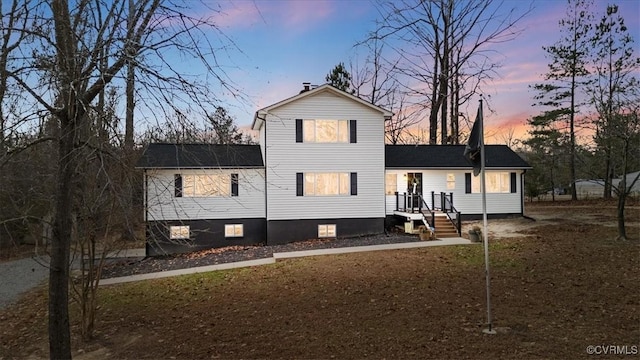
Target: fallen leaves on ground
558,288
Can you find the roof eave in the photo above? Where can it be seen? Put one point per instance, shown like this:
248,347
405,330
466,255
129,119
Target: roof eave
199,167
326,87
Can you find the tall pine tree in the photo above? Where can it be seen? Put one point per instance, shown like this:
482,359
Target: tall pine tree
567,75
340,78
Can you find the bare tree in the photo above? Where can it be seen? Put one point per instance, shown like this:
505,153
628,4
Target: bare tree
376,82
628,132
614,84
77,50
12,19
404,118
443,46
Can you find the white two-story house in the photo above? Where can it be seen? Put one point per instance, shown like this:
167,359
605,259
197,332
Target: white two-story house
321,170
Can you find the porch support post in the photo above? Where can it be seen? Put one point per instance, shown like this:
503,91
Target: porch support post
433,220
397,202
433,205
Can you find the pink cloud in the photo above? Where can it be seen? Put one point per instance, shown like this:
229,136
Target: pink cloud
235,14
286,13
301,13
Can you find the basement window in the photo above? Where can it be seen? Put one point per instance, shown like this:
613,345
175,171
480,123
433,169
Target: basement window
233,230
326,230
179,232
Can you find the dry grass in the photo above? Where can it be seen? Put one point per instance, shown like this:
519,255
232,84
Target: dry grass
558,287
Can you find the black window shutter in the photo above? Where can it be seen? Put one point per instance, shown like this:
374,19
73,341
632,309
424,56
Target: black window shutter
354,183
234,184
299,184
467,183
353,138
298,130
177,181
513,182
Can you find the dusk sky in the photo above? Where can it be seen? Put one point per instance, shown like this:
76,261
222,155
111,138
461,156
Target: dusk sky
286,43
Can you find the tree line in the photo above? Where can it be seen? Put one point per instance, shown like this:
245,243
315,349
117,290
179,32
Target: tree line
588,125
67,155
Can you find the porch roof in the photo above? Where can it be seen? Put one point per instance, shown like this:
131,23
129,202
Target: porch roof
163,155
449,157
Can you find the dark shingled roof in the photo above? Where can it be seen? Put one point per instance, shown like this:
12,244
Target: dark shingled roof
449,156
200,156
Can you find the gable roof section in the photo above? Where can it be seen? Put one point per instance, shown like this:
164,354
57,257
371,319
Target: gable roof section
259,117
171,156
449,157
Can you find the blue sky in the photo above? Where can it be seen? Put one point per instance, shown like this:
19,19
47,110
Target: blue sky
287,42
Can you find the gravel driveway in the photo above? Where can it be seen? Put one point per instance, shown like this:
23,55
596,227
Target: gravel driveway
19,276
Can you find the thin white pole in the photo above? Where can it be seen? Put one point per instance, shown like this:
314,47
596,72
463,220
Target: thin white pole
485,231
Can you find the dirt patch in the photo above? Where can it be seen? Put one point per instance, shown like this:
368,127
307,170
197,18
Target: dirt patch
562,286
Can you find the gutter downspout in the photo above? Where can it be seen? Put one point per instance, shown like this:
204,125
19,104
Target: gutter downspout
266,183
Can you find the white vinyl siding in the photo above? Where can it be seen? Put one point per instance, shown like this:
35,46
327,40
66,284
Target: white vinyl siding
436,180
285,158
162,204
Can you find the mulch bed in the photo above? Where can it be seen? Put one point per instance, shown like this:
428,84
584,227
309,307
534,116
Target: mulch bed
133,266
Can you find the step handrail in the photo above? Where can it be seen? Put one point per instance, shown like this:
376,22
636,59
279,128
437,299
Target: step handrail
448,208
433,215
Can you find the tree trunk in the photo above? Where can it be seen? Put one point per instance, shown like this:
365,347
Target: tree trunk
130,88
455,108
59,333
435,102
622,192
572,135
622,197
445,73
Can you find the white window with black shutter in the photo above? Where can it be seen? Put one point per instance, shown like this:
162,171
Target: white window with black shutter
496,182
206,185
326,131
327,184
